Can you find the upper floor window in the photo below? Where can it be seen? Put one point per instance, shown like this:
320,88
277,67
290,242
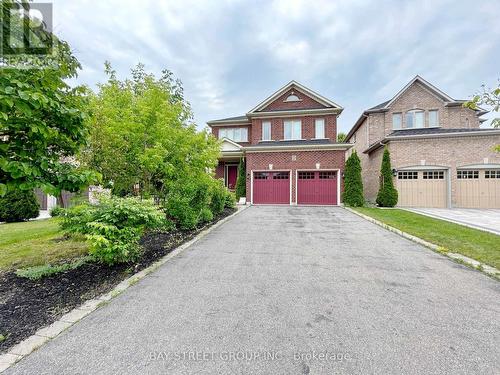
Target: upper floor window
234,134
266,130
415,119
397,119
292,129
319,128
433,118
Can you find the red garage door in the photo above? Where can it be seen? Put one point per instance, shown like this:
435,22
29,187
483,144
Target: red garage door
271,187
317,187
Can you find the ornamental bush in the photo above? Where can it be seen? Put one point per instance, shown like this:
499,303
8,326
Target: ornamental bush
186,199
353,184
18,205
218,197
387,195
114,227
241,182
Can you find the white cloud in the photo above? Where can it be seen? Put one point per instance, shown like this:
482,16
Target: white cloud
232,54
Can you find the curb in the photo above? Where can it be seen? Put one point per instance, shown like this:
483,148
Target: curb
482,267
44,335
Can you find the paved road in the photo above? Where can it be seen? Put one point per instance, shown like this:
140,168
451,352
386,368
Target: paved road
485,219
281,285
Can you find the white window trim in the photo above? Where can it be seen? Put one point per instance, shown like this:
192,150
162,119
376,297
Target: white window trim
293,127
315,128
226,130
413,113
429,118
270,131
400,114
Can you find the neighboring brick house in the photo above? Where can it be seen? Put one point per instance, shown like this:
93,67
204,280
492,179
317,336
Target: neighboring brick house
440,155
289,143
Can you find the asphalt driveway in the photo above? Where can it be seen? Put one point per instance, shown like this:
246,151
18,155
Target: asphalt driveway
484,219
291,290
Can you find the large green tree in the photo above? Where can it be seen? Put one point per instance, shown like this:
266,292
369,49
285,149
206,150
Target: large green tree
353,184
142,133
489,98
42,121
387,195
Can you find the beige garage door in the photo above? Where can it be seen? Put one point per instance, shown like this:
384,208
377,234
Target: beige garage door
422,189
478,188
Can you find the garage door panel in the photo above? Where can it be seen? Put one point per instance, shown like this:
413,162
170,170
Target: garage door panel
271,188
317,187
422,188
478,188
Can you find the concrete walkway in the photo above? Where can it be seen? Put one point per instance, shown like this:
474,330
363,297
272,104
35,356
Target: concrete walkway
291,290
484,219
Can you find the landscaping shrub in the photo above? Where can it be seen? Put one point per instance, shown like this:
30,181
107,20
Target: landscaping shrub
241,182
39,272
115,226
387,195
206,215
56,211
18,205
353,184
187,198
230,199
218,197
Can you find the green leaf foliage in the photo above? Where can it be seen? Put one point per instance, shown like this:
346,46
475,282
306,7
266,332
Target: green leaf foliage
191,197
387,195
114,227
241,182
42,120
353,184
18,205
141,132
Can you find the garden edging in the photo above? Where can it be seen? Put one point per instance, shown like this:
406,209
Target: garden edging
482,267
43,335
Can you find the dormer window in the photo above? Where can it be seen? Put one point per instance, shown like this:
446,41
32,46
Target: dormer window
292,98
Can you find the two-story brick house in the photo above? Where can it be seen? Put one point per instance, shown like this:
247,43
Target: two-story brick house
289,144
440,155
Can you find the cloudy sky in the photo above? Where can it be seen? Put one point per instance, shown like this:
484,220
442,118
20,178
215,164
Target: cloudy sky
232,54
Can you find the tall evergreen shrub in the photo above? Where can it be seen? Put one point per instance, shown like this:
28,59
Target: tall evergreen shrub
387,195
353,184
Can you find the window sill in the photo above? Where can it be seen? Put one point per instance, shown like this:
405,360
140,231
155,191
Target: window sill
317,139
292,139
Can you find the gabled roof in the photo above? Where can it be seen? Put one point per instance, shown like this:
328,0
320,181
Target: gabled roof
230,120
304,90
383,107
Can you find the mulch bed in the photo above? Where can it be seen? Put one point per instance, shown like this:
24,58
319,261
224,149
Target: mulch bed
26,306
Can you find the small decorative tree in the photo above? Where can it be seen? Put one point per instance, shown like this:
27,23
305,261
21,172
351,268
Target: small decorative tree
18,205
241,183
341,137
353,184
387,195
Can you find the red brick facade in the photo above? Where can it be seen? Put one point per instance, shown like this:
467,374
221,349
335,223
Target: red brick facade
308,128
280,104
294,161
302,154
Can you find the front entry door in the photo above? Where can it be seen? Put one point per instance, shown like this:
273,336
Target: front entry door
232,176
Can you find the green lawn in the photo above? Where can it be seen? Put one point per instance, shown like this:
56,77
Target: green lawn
35,243
476,244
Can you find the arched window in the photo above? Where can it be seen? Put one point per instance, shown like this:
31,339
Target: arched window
292,98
